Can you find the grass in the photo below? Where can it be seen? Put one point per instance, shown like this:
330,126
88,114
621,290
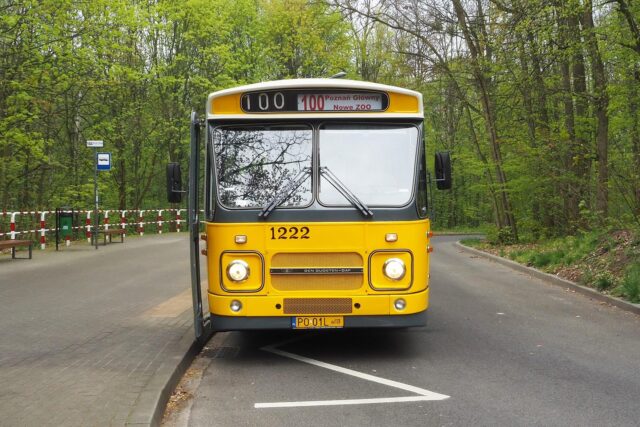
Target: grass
473,242
555,253
631,283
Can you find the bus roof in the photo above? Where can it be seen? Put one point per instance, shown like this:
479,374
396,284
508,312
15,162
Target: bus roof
401,103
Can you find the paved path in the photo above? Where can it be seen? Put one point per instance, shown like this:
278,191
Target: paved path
83,331
507,349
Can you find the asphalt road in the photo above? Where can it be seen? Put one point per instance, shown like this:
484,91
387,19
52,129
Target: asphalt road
501,348
83,331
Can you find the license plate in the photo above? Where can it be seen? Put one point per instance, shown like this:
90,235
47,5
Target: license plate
317,322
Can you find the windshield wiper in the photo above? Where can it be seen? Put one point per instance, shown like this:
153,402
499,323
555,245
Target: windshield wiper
342,189
284,195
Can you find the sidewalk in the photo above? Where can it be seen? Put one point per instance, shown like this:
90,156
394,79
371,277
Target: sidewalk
93,337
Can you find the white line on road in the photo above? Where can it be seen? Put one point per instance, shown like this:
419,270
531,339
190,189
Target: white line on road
341,402
423,393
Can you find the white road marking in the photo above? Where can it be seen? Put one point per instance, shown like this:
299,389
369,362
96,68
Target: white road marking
346,371
424,394
341,402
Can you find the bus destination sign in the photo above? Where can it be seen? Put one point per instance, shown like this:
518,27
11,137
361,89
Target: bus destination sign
340,102
287,101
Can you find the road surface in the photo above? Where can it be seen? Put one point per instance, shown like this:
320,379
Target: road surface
501,348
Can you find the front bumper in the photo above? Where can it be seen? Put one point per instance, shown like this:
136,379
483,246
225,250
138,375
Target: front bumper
229,323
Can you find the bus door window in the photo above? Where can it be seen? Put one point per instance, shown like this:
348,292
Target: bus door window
422,197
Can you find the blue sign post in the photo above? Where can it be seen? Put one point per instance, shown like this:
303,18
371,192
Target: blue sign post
102,162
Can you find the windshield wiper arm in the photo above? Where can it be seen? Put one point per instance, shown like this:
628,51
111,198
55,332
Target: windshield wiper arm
342,189
286,192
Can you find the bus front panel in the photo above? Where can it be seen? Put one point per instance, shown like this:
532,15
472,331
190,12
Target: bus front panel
345,269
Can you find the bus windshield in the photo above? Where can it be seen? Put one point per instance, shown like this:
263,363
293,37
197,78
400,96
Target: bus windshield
358,164
375,162
253,163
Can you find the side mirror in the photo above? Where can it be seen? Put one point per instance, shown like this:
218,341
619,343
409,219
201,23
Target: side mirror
174,183
443,170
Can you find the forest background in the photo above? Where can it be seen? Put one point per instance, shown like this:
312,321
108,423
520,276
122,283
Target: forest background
537,100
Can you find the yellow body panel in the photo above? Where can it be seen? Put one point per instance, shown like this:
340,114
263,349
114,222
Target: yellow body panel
229,104
402,103
356,245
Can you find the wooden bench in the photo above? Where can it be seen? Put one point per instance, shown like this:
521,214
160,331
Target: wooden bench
5,244
113,232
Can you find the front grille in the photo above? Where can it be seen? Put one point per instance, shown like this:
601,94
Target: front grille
317,305
317,282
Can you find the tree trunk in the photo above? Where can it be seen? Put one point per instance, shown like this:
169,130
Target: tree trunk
581,152
571,191
601,105
635,138
483,85
526,90
498,218
542,120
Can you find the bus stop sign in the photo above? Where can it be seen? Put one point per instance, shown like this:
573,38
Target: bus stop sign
104,161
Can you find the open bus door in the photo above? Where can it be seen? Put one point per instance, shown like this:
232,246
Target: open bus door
201,323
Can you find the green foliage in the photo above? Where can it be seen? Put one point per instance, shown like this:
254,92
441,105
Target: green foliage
130,73
604,281
551,254
631,283
304,39
502,236
473,242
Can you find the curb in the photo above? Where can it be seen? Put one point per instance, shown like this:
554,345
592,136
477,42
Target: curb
555,280
152,401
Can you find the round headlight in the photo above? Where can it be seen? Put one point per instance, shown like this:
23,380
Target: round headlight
238,271
394,269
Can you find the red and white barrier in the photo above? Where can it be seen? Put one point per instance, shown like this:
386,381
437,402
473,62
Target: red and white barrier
88,226
160,222
123,222
178,220
141,224
13,225
43,230
23,224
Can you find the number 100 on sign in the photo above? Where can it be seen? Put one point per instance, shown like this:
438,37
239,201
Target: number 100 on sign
340,102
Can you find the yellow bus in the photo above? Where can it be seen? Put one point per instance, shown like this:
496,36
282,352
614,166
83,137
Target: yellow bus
316,210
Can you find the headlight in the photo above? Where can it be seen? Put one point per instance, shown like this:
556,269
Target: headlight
394,268
238,271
